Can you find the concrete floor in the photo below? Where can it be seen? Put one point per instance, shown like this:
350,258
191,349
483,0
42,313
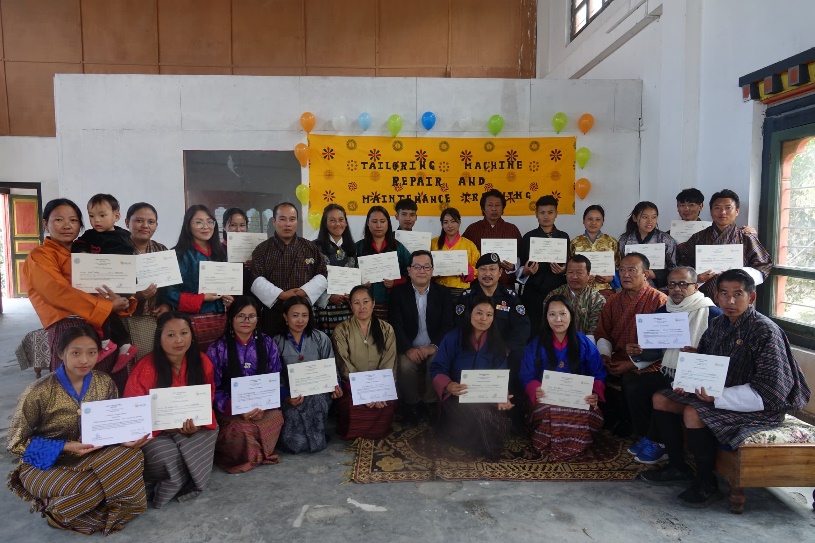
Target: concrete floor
305,498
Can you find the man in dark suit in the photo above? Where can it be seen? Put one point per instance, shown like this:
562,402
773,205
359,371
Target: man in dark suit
421,312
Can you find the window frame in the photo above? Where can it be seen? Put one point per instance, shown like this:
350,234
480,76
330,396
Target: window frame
787,121
589,18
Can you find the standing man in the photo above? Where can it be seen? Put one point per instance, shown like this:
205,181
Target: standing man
689,204
421,312
724,208
493,226
286,265
586,302
406,214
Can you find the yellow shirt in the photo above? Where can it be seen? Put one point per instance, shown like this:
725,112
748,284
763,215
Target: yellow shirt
461,244
603,242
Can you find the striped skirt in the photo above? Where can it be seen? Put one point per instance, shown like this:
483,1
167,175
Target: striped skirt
103,490
304,430
178,465
478,428
563,432
243,445
355,421
55,332
208,328
330,316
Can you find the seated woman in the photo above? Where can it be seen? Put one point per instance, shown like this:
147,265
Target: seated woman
363,343
480,428
76,486
178,462
304,429
244,441
563,432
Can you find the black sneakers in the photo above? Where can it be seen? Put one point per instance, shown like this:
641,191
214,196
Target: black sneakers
666,476
700,494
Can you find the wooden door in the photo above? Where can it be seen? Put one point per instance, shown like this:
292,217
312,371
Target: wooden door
24,222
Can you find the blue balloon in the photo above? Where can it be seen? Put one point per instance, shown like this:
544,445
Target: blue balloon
428,120
365,120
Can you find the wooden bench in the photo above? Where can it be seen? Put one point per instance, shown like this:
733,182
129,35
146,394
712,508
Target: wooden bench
767,464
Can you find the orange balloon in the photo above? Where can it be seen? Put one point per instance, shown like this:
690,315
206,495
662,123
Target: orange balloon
582,187
585,122
301,152
307,121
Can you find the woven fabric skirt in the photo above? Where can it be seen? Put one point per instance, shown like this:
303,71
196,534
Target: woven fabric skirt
304,429
103,490
142,334
208,328
178,465
382,311
478,428
330,316
563,432
243,445
355,421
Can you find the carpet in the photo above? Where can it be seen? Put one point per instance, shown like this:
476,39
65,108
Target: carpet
415,454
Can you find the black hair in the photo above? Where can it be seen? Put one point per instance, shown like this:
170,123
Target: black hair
234,211
547,200
739,276
646,264
420,252
455,215
368,237
724,194
57,202
69,335
282,204
161,362
375,329
631,224
572,345
690,196
137,206
234,368
99,199
406,204
185,238
495,193
580,259
495,344
595,207
292,301
324,237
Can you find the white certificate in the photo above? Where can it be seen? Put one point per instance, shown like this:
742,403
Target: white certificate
566,389
341,279
694,371
507,249
602,262
681,231
159,268
239,245
375,268
450,263
89,271
172,406
654,252
109,422
547,250
220,277
719,258
255,391
413,240
663,331
485,386
309,378
372,386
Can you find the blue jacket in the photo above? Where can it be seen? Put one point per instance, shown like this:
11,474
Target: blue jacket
188,264
452,357
535,361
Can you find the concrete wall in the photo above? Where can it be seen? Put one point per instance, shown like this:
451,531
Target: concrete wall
30,160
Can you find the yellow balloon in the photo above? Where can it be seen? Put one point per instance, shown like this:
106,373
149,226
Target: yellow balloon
314,218
302,193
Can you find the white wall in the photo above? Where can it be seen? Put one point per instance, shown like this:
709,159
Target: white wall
30,160
126,134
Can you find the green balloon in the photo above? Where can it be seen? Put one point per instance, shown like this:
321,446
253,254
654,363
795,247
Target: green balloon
495,124
394,124
559,121
582,156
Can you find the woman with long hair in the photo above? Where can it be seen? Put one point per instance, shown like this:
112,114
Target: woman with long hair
594,240
450,240
305,416
378,238
235,220
562,432
76,486
337,246
363,343
643,227
245,440
476,345
177,462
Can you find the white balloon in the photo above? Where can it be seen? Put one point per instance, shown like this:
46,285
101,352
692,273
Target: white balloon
466,123
340,123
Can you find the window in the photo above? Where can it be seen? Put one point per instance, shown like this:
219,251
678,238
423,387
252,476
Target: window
788,223
584,12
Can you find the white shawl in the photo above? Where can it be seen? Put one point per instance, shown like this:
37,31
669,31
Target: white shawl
697,307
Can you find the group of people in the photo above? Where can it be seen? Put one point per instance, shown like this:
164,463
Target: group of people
525,316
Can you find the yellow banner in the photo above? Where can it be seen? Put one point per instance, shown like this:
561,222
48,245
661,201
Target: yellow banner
437,173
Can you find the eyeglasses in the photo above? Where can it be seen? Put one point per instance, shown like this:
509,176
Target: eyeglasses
201,224
419,267
240,317
681,284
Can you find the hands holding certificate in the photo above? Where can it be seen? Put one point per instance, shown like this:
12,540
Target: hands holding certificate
457,389
591,399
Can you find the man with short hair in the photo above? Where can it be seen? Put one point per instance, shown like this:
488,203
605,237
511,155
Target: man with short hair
763,383
493,226
421,313
406,214
724,208
286,265
586,302
689,204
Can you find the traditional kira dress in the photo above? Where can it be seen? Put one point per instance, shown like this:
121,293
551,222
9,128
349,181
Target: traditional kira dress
456,284
603,242
175,464
563,432
101,490
243,444
329,315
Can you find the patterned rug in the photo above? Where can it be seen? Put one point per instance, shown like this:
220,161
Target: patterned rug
416,455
